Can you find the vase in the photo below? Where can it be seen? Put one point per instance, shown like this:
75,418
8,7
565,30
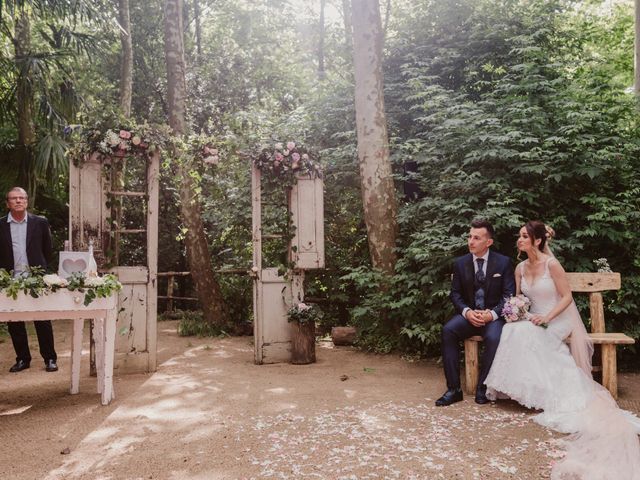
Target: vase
303,343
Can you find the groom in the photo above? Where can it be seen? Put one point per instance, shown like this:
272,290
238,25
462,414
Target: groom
482,280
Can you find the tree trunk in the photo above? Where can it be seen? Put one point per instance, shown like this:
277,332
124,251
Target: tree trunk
196,13
321,71
126,65
207,288
378,191
24,99
303,343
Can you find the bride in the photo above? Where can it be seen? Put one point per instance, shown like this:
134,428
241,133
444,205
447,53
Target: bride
535,366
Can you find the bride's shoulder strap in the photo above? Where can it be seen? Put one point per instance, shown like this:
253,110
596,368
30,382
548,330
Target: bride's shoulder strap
520,268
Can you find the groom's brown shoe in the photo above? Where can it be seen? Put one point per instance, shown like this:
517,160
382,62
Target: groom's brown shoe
450,396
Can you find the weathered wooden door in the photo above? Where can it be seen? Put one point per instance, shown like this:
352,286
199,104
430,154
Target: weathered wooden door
92,196
273,294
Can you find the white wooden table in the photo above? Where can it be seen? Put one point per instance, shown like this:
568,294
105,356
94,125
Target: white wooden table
65,304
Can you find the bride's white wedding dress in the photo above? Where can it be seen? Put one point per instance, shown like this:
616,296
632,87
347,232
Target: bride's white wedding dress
534,366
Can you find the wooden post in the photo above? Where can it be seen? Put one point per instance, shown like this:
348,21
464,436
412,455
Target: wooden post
153,205
256,224
170,284
471,365
609,369
596,310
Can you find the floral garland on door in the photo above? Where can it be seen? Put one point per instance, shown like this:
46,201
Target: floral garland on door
285,162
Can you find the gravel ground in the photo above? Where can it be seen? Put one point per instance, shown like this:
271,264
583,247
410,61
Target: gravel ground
210,413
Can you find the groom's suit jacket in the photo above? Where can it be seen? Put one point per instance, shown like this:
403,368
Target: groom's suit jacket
500,282
39,244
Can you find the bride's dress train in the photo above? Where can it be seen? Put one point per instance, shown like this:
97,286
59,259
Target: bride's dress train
534,366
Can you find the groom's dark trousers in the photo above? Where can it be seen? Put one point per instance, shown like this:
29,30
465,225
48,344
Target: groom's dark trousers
499,285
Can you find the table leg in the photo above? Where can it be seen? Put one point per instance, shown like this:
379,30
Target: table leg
108,393
98,342
76,354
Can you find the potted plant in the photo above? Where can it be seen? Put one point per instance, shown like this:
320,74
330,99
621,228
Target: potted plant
303,326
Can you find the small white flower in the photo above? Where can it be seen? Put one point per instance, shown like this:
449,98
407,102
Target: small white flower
278,146
94,281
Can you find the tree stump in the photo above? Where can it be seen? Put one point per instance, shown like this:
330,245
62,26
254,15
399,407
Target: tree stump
303,343
343,335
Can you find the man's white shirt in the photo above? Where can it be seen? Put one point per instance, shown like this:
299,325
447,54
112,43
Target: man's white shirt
19,244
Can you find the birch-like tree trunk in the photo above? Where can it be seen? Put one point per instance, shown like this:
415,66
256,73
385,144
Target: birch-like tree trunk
348,28
321,71
126,58
207,288
24,100
378,190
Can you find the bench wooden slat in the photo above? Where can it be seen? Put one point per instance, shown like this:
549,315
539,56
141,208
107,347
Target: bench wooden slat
593,282
611,339
598,339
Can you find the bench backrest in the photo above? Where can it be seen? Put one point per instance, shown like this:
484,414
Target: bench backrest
594,284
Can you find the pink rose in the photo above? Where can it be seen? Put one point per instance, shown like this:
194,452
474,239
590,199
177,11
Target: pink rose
295,156
124,134
291,145
278,156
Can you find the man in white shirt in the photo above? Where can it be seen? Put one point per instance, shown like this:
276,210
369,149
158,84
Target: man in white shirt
25,241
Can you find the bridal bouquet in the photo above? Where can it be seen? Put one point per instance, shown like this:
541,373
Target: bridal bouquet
516,308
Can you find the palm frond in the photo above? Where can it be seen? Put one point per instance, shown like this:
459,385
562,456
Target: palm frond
49,156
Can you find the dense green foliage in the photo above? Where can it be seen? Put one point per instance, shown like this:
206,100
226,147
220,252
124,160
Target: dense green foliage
507,109
512,115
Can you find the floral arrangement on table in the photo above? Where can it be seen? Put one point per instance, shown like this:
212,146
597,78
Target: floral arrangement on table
36,284
284,161
303,313
516,308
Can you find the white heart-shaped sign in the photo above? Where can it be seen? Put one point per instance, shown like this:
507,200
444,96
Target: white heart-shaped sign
72,266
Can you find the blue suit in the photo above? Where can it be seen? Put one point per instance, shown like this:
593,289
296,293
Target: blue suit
499,285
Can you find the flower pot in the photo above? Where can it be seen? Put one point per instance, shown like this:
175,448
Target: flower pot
303,342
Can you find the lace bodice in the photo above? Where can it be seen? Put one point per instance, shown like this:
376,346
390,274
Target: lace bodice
542,293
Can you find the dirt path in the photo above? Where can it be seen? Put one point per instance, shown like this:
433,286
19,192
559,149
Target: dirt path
210,413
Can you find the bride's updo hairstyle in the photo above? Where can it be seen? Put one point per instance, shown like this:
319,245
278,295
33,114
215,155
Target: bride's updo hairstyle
537,231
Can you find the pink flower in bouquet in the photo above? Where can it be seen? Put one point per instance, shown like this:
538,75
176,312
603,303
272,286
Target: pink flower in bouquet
303,306
124,134
278,157
516,308
295,156
123,146
291,145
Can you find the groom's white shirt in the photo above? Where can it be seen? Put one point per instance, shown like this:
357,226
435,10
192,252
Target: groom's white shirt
485,257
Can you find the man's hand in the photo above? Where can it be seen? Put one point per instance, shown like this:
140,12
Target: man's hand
486,316
474,317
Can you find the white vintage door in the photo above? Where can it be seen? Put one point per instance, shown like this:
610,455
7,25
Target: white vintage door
272,332
90,194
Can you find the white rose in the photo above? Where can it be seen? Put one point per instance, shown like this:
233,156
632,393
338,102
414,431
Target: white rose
54,280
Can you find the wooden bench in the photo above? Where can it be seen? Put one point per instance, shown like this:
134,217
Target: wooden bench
593,284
